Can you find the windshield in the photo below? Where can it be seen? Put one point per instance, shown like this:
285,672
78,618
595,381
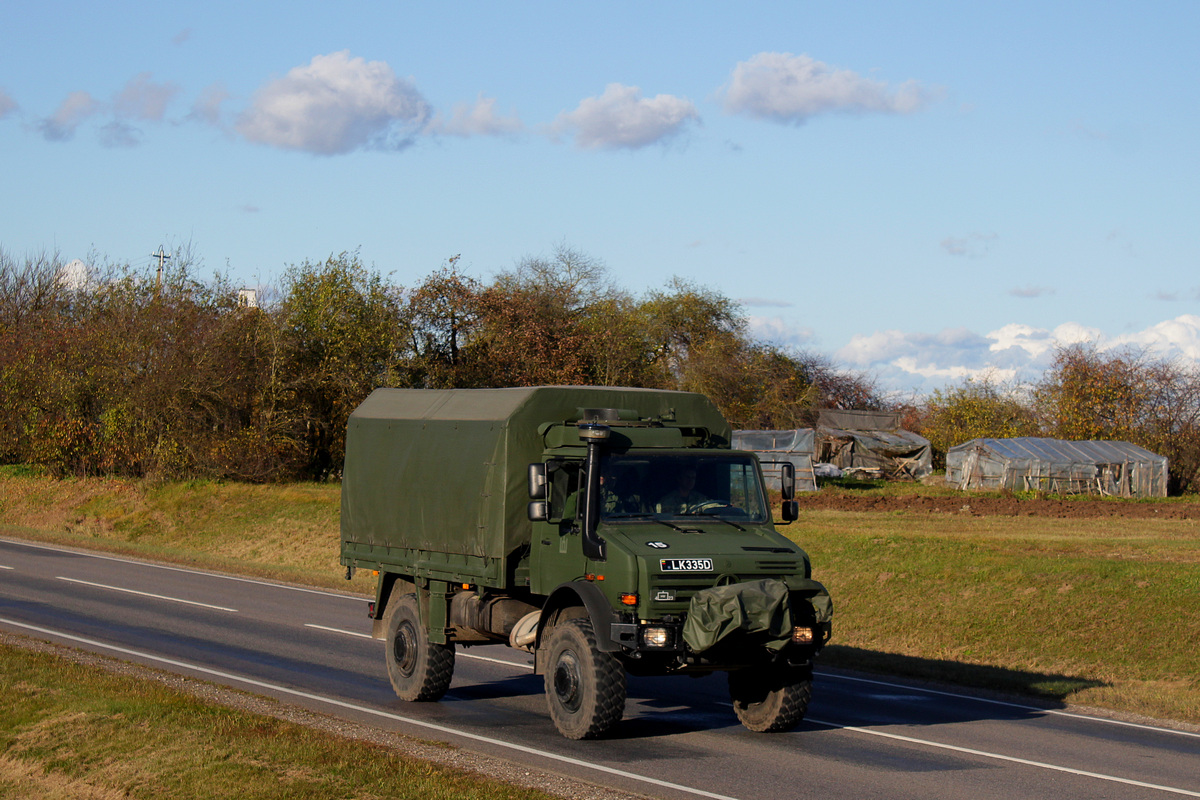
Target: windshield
679,485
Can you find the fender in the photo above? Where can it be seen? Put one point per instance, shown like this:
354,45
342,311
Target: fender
599,610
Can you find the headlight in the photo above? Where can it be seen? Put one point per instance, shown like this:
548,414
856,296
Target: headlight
802,634
656,637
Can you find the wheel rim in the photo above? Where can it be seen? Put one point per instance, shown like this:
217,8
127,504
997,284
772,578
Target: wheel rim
566,682
404,650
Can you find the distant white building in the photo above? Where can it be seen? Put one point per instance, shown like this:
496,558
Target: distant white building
73,276
248,298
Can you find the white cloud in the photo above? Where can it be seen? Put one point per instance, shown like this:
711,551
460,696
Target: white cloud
767,302
207,107
7,104
973,245
334,105
922,361
1175,337
142,98
479,119
60,126
622,118
782,87
119,134
1029,292
779,332
956,346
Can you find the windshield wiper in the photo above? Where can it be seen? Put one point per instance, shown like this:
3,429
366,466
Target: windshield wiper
652,518
711,515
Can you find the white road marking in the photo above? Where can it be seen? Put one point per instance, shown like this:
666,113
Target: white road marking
4,567
494,660
458,654
339,630
1007,704
147,594
533,751
1010,759
206,573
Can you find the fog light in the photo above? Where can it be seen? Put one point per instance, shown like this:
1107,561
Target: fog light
656,637
802,635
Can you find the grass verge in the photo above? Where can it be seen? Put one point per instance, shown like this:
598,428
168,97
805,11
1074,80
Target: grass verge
1100,612
70,730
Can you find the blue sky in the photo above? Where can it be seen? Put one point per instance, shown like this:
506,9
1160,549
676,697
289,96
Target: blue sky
921,191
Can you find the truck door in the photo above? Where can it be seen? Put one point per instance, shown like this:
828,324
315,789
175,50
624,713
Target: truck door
557,549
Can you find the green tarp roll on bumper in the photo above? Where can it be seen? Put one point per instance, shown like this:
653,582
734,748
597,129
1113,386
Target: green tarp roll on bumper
759,609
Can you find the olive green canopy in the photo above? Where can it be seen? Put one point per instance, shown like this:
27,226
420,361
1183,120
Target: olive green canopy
447,470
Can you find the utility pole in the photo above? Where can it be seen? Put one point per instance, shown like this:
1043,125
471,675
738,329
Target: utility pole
161,256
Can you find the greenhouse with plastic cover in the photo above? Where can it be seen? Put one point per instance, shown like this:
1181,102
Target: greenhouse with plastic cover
774,447
1115,468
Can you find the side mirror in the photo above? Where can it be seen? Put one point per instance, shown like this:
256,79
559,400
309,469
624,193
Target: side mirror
537,481
787,480
791,511
539,511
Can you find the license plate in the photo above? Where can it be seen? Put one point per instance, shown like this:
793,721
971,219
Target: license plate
686,564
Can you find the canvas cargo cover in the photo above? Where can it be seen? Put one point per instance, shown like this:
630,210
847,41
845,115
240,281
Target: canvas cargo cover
1054,465
447,470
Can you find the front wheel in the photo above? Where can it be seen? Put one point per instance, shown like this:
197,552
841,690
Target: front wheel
585,688
770,700
418,668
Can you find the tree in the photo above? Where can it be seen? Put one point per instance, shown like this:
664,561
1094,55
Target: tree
682,319
1126,395
979,408
1087,394
342,331
442,315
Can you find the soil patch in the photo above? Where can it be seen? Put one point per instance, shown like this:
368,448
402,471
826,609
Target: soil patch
1081,508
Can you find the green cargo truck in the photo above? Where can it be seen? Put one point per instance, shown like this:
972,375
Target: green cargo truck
604,530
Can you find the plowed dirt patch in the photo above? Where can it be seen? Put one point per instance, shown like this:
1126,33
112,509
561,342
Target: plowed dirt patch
1001,506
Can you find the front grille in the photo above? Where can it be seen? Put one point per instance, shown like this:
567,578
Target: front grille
684,585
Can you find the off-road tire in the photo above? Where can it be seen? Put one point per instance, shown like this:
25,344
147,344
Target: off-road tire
770,700
585,688
419,669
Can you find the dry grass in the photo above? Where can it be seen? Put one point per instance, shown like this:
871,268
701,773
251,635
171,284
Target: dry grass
68,730
1097,612
285,532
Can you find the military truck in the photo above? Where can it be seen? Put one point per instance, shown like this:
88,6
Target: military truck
604,530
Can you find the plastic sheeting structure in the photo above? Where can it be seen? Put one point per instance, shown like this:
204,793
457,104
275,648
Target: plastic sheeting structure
1115,468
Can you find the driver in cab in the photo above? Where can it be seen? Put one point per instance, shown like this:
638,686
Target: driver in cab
683,499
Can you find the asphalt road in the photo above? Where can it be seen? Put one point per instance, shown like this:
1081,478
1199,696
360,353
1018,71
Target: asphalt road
679,738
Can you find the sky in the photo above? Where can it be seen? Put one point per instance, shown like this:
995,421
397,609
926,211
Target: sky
923,192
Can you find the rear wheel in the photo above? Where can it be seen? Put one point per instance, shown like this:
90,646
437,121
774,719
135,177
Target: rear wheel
770,699
585,688
418,668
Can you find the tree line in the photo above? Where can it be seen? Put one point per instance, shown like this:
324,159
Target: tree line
136,373
133,373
